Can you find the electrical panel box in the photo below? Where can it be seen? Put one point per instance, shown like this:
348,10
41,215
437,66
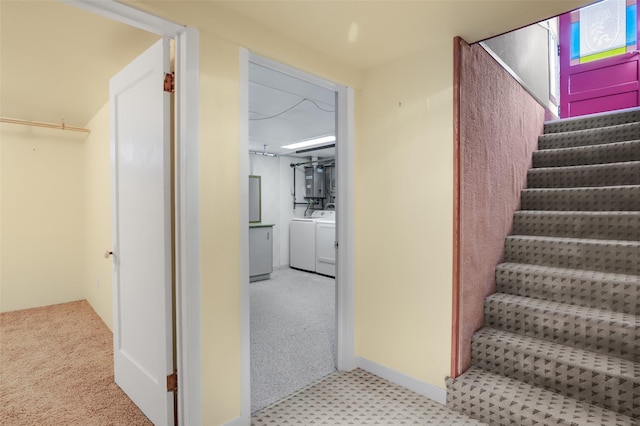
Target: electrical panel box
314,182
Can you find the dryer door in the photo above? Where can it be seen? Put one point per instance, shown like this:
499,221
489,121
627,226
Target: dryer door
325,248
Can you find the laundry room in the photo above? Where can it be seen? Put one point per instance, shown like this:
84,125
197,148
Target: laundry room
292,232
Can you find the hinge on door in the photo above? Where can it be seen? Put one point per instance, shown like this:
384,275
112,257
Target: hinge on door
335,245
172,382
170,82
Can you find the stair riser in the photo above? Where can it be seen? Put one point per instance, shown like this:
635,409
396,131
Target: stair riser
592,122
586,155
593,387
606,226
625,132
620,339
585,176
617,198
561,338
606,256
504,402
622,295
460,398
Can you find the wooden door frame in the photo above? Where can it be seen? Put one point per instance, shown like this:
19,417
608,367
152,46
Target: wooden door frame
187,195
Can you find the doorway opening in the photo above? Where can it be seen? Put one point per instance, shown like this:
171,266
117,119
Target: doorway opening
292,204
582,62
297,146
95,287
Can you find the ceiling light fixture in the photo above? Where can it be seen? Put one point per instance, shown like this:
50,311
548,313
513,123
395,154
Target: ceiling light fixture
310,142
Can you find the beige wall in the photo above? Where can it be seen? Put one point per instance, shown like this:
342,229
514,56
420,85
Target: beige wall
403,158
221,37
220,237
42,216
219,229
403,198
403,202
96,280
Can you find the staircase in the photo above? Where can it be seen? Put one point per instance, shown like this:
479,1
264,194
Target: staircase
561,336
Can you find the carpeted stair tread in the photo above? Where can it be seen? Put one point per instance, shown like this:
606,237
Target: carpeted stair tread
608,198
578,224
602,135
574,253
596,330
603,380
589,289
499,400
593,121
612,174
583,155
561,337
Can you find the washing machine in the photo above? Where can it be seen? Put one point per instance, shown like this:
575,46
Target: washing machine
325,244
302,240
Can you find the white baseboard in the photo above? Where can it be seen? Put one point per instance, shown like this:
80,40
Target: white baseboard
425,389
238,421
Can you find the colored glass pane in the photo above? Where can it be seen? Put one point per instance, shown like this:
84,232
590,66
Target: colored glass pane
604,29
602,55
575,40
632,26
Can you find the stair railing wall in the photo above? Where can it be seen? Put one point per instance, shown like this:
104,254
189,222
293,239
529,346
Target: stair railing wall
496,127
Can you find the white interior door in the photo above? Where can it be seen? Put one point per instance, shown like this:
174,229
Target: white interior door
141,191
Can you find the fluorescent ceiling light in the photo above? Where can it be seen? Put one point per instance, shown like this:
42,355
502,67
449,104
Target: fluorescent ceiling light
310,142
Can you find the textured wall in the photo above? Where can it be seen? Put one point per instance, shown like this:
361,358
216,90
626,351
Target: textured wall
499,125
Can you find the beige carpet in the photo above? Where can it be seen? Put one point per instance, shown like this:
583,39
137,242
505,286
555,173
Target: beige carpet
56,368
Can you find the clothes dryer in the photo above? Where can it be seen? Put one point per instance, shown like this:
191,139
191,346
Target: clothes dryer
302,244
326,244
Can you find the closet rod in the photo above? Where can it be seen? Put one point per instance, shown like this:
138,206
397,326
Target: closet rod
61,126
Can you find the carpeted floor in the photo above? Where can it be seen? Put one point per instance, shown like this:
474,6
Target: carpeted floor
56,368
292,334
358,398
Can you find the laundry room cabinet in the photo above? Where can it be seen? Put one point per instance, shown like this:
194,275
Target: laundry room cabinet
260,252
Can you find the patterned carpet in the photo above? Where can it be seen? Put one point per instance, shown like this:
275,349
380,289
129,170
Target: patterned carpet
358,398
561,337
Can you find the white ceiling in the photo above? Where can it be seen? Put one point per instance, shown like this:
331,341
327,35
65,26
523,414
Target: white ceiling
56,60
284,109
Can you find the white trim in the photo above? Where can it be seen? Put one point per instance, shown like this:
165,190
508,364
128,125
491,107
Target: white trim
128,15
188,228
245,329
187,195
286,69
238,421
345,231
345,222
423,388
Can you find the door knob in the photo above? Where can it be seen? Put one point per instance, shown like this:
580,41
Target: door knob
107,253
